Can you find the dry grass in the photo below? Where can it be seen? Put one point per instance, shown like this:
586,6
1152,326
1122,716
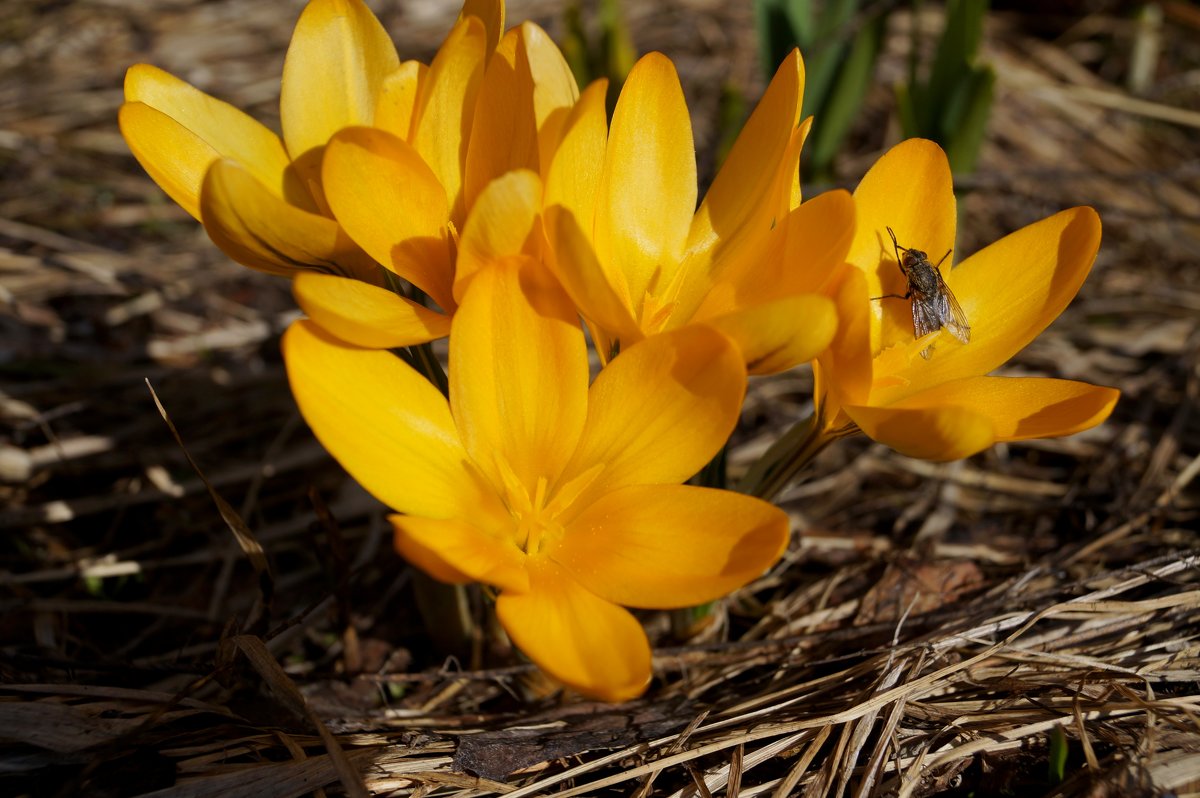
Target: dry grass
934,630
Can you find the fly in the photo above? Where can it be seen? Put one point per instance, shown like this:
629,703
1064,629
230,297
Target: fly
933,304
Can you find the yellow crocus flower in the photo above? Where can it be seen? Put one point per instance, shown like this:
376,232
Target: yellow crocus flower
639,258
562,497
259,195
378,162
403,189
944,406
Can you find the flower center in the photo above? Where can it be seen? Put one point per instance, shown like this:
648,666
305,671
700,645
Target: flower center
538,514
535,526
661,298
534,535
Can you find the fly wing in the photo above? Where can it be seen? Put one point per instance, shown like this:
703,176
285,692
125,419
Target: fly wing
925,319
949,314
925,314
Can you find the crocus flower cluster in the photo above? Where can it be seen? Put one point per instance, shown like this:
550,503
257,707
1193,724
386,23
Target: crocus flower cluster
484,197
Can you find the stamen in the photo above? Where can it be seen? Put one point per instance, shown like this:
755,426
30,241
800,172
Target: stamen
566,495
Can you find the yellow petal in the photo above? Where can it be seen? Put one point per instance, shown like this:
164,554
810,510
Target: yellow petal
366,315
502,223
1024,407
555,90
805,256
1010,291
844,371
754,262
910,190
795,193
518,376
573,180
778,335
491,13
745,190
174,157
503,127
818,235
942,432
597,293
398,99
648,189
445,106
256,228
465,548
660,410
426,559
668,546
391,203
522,105
583,641
336,64
384,423
176,132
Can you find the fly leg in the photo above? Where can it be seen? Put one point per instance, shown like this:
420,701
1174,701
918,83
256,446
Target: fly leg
896,250
899,262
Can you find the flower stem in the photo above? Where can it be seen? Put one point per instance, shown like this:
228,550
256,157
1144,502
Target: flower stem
426,362
688,622
421,356
788,455
714,474
446,611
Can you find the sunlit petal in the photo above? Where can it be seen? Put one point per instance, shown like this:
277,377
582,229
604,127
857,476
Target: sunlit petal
771,253
555,90
583,641
597,292
940,432
386,424
177,131
366,315
392,204
503,127
491,13
911,191
518,377
661,409
778,335
648,189
573,179
398,99
445,107
502,223
523,102
844,371
470,550
426,559
258,229
818,236
744,190
666,546
1010,291
336,64
805,257
1024,407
